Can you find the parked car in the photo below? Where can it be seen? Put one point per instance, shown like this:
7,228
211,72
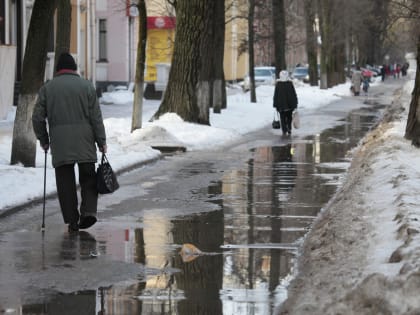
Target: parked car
368,71
262,75
301,73
376,70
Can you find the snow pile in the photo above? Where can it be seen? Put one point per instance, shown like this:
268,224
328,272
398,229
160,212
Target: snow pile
362,257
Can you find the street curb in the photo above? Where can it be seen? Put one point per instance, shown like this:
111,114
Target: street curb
39,200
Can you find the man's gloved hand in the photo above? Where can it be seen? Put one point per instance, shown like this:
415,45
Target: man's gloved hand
104,148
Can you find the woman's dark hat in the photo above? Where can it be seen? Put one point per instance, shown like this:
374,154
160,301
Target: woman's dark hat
66,61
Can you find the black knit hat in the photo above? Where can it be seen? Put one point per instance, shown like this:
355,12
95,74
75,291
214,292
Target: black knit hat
66,61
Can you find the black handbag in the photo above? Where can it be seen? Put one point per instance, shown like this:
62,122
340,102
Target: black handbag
106,181
276,120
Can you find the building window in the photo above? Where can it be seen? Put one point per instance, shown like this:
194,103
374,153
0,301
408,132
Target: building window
102,40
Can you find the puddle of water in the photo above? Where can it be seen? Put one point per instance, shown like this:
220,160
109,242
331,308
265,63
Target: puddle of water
248,247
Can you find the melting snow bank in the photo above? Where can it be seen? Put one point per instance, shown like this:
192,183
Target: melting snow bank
361,256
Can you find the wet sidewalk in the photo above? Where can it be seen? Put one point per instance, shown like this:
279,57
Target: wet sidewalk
246,210
22,187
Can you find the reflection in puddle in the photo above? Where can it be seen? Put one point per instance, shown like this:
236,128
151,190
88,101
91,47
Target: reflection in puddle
249,246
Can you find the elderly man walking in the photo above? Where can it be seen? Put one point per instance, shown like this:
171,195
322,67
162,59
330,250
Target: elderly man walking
70,105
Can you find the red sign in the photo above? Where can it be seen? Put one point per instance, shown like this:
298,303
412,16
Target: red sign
161,22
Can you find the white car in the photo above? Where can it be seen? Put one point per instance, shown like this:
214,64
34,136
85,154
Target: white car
262,75
301,73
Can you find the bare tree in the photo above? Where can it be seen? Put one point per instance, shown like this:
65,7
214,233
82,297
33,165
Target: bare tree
206,65
62,41
279,34
410,10
219,84
401,29
251,12
211,87
412,130
24,141
331,21
323,22
136,121
311,40
373,31
188,90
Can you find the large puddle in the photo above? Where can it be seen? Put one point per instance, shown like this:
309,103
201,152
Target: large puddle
247,248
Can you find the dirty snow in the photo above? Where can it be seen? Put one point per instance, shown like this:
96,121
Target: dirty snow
362,255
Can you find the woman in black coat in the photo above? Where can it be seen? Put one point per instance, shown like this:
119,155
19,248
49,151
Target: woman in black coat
285,101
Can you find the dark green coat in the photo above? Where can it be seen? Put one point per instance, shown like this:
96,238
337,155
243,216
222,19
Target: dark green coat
75,124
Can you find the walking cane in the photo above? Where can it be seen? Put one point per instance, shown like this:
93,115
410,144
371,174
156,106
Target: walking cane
45,183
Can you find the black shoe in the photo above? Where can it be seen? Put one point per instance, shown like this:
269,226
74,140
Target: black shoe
87,221
73,227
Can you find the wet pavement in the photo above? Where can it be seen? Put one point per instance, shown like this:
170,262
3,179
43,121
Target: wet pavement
212,232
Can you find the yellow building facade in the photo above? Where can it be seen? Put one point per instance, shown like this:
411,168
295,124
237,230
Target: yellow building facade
161,34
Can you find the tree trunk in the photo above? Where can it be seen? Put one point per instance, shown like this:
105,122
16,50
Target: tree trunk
412,130
324,44
311,41
338,24
182,89
371,32
62,41
136,122
333,44
207,62
24,141
219,85
251,15
340,62
279,35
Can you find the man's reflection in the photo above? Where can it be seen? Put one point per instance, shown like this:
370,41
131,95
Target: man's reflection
81,245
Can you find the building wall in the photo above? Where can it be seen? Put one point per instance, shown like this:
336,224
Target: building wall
235,64
116,67
7,78
73,32
122,42
118,53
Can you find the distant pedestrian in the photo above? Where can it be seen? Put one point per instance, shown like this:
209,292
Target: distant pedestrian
70,105
388,70
404,69
383,72
365,84
285,101
392,69
398,70
356,81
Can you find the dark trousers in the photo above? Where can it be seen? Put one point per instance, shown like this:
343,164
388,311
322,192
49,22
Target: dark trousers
286,120
67,191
